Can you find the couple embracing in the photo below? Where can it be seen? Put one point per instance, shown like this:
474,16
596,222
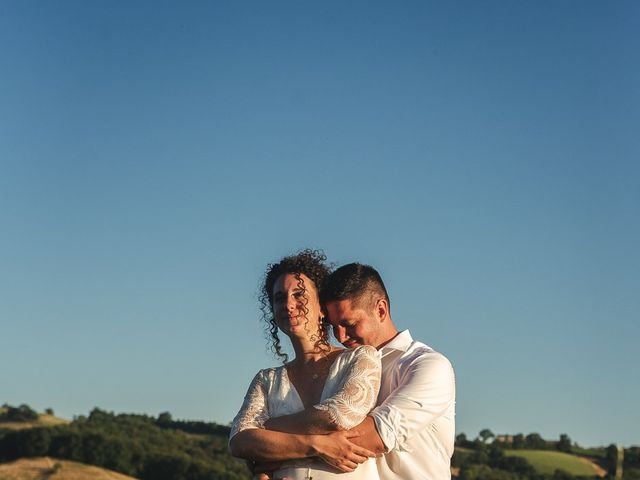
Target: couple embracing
381,408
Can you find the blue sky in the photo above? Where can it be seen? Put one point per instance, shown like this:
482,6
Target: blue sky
155,156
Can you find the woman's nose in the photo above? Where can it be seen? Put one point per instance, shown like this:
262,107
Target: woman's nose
291,305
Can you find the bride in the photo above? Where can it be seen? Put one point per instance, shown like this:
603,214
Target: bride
336,387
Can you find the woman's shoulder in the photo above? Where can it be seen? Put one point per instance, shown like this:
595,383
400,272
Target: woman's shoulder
358,353
270,372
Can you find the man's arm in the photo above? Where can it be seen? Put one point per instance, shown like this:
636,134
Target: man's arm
266,445
337,449
369,437
426,393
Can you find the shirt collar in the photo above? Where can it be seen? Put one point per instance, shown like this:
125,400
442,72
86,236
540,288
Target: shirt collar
402,341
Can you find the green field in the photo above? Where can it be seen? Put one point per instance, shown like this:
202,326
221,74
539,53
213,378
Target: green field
547,462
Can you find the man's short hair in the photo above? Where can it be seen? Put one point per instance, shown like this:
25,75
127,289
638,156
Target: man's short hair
355,282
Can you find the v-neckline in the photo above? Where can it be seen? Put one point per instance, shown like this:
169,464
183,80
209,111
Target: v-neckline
295,390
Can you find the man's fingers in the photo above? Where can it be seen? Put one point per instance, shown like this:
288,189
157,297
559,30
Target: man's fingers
357,457
347,466
363,452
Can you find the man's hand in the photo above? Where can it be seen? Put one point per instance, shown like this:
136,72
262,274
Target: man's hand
339,451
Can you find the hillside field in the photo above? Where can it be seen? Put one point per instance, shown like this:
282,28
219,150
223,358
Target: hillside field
44,420
53,469
547,462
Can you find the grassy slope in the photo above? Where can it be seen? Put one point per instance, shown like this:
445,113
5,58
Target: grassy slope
44,420
52,469
545,461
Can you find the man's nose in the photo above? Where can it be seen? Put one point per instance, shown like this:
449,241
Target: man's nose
340,333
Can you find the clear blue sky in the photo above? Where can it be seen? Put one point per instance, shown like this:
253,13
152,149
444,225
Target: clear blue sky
155,156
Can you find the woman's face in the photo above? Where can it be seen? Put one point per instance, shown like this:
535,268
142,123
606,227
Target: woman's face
296,307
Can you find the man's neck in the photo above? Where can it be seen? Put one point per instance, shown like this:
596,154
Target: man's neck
394,335
390,332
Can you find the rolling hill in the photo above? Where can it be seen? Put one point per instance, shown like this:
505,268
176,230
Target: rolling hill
45,468
44,420
547,462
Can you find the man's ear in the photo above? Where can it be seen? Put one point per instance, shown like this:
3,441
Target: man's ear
382,309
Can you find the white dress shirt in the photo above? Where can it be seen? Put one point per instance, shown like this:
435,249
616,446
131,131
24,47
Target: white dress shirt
415,416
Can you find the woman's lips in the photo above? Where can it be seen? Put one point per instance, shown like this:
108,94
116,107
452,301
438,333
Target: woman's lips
292,320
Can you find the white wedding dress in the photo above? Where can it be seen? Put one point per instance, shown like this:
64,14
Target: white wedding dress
349,393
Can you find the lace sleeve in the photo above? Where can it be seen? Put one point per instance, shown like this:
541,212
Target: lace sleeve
358,389
255,410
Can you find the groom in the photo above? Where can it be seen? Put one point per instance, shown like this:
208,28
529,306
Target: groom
412,429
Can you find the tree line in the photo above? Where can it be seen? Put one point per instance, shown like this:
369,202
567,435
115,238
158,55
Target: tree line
141,446
161,448
22,413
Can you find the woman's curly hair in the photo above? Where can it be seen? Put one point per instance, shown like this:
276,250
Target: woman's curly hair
311,263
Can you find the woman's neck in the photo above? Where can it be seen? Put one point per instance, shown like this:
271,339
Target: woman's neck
309,352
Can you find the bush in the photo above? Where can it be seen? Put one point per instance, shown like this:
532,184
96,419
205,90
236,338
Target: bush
23,413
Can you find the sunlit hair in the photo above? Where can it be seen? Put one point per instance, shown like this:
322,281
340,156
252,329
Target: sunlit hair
356,282
312,264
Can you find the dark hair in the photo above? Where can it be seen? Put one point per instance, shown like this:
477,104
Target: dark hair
355,282
311,263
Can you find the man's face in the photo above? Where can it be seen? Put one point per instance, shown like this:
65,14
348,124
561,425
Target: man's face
354,324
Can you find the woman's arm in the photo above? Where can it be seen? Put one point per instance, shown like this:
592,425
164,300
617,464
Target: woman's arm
348,407
250,440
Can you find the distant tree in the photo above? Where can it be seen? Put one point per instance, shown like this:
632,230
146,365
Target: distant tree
518,440
480,454
67,445
564,444
23,413
611,455
535,441
164,419
461,440
165,467
485,434
49,411
35,442
515,464
97,415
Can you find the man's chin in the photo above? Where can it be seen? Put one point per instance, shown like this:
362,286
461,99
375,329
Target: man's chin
351,344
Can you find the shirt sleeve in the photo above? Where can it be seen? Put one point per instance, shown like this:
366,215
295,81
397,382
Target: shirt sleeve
358,390
255,409
425,392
